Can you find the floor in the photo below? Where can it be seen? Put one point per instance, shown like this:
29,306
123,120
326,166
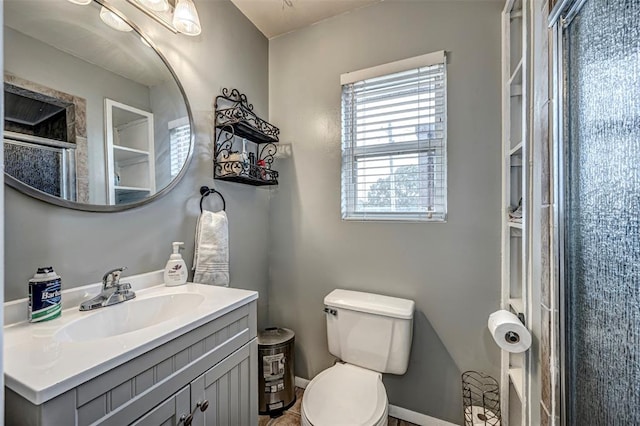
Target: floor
291,417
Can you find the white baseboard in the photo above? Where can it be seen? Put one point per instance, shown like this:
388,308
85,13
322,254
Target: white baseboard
300,382
397,412
416,418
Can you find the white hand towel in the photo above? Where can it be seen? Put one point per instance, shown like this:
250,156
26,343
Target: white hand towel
211,254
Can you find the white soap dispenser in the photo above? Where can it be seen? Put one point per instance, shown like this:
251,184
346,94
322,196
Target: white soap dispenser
175,273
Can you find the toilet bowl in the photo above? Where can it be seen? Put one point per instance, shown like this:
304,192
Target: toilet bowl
345,395
371,334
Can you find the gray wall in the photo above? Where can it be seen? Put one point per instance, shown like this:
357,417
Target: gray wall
82,246
25,56
451,270
1,227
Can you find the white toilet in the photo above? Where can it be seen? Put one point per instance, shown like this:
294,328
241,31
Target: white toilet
372,335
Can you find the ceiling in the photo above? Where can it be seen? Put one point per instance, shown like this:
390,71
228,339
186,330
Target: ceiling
277,17
79,32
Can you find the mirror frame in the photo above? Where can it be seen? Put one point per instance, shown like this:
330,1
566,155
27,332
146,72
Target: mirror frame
104,208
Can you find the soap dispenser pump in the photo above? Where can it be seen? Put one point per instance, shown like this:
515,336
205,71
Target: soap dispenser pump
175,273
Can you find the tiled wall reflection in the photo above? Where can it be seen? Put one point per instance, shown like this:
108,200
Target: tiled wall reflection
37,167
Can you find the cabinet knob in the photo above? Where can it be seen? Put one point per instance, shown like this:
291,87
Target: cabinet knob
187,419
203,405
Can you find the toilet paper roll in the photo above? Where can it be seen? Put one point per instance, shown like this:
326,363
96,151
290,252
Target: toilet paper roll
508,332
479,416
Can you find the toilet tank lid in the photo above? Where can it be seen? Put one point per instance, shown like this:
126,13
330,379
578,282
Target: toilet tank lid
371,303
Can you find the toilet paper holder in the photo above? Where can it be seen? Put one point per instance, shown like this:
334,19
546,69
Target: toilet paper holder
511,336
509,331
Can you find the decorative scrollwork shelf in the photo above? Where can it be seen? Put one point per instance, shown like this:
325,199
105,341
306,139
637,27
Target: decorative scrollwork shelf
234,118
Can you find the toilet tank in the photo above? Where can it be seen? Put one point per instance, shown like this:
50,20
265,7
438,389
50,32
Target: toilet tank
370,330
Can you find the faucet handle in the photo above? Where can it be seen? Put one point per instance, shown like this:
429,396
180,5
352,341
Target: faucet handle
123,286
112,277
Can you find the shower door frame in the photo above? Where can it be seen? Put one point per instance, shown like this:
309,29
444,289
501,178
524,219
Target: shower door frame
560,18
557,130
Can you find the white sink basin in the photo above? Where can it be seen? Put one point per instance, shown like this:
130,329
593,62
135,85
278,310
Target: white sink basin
44,360
129,316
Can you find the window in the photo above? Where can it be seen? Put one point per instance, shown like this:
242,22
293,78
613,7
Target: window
394,121
180,141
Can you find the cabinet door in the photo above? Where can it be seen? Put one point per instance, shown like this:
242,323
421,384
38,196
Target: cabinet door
231,390
169,412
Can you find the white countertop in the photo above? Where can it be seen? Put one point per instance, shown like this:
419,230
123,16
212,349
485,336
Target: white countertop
39,366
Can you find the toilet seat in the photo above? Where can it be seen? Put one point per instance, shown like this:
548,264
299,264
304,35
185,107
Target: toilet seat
345,395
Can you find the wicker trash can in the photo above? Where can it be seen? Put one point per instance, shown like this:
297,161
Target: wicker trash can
275,368
480,399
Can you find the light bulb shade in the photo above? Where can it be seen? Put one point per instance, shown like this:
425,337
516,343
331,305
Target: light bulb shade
81,2
185,18
113,20
155,5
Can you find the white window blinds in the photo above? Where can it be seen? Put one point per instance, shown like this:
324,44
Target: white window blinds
180,141
394,142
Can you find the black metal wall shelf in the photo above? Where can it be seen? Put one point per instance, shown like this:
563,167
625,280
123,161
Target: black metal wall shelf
234,118
237,171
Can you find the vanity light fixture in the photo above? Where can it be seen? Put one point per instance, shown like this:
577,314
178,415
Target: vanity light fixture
185,18
178,16
155,5
81,2
113,20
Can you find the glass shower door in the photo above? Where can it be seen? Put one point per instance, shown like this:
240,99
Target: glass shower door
601,192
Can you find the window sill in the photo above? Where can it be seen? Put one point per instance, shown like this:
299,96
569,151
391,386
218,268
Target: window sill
393,218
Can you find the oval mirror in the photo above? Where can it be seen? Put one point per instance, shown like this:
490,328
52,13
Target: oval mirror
95,118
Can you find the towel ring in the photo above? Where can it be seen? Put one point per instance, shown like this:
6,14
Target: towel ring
205,190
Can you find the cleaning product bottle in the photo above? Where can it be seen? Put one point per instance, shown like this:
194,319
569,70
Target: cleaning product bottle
175,273
45,301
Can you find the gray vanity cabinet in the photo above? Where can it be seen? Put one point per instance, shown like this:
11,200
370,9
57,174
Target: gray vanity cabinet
216,361
168,413
230,391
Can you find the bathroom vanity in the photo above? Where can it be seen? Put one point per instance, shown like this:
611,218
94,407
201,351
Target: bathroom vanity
174,355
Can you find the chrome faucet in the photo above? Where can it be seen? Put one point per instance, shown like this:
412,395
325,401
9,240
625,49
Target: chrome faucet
112,291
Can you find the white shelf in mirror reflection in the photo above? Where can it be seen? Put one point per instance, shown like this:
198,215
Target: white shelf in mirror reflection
122,153
130,146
